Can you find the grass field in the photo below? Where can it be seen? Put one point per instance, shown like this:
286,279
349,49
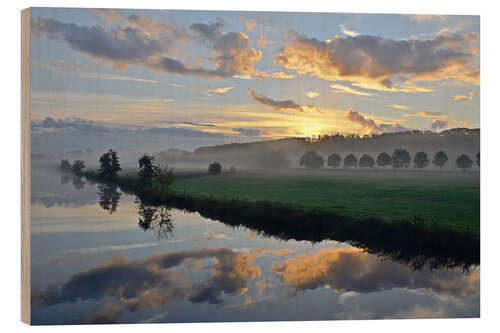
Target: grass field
447,198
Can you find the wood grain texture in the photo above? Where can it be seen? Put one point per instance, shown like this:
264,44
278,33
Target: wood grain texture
25,168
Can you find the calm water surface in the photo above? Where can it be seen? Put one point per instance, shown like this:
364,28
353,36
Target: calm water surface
99,256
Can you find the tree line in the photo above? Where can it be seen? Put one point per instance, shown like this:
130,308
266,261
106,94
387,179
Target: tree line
400,158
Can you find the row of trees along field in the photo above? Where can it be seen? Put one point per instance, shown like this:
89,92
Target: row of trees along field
400,158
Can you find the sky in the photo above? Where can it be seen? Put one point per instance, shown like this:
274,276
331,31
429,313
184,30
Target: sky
183,79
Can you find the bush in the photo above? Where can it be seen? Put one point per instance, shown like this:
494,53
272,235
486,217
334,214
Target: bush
215,168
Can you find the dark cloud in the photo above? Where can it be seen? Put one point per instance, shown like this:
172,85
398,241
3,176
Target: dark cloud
275,105
370,124
248,131
109,314
154,44
380,60
82,126
440,124
142,284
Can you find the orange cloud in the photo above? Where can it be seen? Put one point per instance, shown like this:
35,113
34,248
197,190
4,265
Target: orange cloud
398,106
353,270
263,42
467,97
426,114
345,89
383,63
249,25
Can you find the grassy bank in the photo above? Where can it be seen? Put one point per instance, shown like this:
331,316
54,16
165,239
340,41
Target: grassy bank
412,241
449,199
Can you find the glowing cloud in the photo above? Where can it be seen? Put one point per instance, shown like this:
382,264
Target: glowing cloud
312,94
382,62
398,106
345,89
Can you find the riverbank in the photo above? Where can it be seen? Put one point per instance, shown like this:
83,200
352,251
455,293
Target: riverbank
418,243
448,199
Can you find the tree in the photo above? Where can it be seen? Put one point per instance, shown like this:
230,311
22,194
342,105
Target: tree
478,159
109,165
384,159
334,160
350,161
464,162
147,170
312,160
65,166
215,168
77,167
420,160
366,161
440,159
232,169
401,159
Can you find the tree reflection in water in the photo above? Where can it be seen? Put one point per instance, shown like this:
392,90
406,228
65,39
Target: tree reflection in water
109,197
156,218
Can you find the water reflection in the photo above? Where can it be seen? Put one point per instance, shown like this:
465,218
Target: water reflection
135,286
109,197
218,270
141,284
155,218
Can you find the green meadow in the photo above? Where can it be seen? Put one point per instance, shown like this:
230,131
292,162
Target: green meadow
447,198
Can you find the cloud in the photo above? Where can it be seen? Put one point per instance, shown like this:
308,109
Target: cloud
88,127
463,98
272,104
345,89
348,32
248,131
142,284
109,314
264,43
76,256
76,69
398,106
426,114
353,270
312,94
358,118
370,124
218,91
143,41
107,15
440,124
382,62
443,123
233,54
249,25
427,17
